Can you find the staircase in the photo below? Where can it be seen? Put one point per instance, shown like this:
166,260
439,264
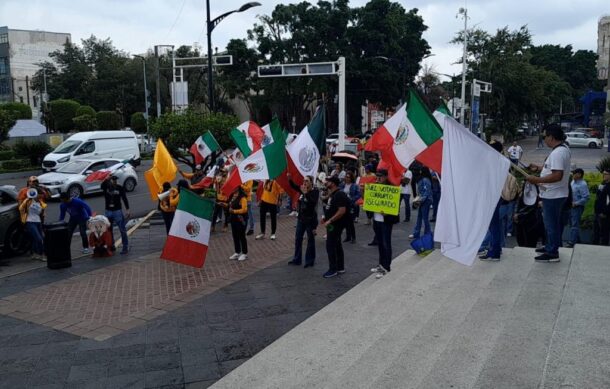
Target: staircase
433,323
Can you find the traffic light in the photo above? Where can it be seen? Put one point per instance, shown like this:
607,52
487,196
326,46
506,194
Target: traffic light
222,60
270,71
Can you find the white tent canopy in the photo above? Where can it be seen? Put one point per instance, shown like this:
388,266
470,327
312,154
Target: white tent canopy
25,128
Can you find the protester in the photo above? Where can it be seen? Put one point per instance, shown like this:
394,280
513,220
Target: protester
540,140
423,201
352,190
307,221
79,212
113,195
382,225
222,201
602,211
247,187
32,182
367,178
238,211
335,210
510,193
32,214
580,196
268,203
338,171
168,205
405,193
515,152
553,183
436,194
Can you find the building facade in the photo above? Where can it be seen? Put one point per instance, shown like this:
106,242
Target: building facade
20,53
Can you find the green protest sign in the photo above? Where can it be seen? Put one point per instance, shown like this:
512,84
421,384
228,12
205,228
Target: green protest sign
382,198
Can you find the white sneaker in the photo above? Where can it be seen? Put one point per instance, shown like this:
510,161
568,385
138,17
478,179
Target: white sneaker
234,256
380,274
293,213
242,257
86,251
42,258
356,220
272,236
376,269
260,236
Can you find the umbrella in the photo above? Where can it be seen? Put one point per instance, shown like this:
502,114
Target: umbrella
344,155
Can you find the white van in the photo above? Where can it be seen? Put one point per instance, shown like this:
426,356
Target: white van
93,145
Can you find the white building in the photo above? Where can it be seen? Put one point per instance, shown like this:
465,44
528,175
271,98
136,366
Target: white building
20,53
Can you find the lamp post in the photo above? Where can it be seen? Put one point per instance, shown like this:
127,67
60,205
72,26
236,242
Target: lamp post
210,25
464,11
145,94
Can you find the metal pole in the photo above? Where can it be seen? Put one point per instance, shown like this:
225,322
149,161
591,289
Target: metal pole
209,30
173,81
158,87
341,103
463,98
44,79
146,99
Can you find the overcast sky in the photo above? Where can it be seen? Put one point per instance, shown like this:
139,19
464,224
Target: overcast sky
136,25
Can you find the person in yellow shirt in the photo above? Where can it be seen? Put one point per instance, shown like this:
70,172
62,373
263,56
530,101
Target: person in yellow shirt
168,204
222,201
247,187
238,211
269,203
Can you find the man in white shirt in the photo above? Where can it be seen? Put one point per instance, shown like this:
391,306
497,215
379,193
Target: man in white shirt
405,193
515,152
554,191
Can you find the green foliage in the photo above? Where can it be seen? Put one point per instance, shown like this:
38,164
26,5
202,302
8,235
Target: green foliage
7,121
19,110
604,164
62,112
5,155
15,164
85,110
85,123
180,130
108,120
593,181
33,151
138,123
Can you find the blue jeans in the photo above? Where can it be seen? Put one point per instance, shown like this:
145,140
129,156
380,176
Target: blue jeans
436,199
495,234
506,218
422,216
383,234
250,216
575,214
35,231
310,251
551,214
406,198
116,217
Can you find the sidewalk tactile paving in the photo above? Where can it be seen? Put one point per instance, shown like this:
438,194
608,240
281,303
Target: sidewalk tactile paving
108,301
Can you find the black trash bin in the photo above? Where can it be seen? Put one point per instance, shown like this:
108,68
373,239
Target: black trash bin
57,241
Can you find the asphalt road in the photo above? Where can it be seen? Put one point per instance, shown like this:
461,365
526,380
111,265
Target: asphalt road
140,202
582,157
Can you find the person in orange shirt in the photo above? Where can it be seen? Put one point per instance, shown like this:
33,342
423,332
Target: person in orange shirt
32,182
238,214
247,187
269,203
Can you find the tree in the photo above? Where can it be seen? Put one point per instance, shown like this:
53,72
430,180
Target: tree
138,122
108,120
430,88
85,123
61,114
7,121
19,110
85,110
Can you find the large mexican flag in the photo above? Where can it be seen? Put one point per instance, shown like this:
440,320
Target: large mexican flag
188,238
305,150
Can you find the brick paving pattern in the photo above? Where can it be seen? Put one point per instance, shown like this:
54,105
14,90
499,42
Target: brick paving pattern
108,301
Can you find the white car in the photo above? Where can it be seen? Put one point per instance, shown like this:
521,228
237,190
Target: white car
71,177
580,139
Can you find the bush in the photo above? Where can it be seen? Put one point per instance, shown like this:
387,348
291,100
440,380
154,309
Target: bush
85,123
604,164
138,122
7,121
62,113
15,164
34,151
108,120
85,110
19,110
5,155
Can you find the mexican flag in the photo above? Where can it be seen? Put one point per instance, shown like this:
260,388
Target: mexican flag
249,137
265,164
102,174
204,146
208,180
188,238
304,151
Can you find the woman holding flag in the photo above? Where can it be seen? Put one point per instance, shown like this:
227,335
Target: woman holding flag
238,214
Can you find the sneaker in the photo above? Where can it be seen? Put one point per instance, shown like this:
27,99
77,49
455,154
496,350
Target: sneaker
42,258
547,258
487,258
341,271
294,263
234,256
329,274
380,274
373,243
568,245
411,236
242,257
376,269
259,236
250,232
272,237
356,220
124,251
86,251
541,250
293,213
509,234
406,220
367,222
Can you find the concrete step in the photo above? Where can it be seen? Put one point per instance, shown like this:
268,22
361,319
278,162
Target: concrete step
413,343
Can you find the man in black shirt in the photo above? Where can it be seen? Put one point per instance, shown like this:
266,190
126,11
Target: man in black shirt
335,211
307,221
113,194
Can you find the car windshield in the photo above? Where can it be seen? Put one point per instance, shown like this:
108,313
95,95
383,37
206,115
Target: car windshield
75,167
67,147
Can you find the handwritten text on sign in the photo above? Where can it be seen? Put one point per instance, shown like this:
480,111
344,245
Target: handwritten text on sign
382,198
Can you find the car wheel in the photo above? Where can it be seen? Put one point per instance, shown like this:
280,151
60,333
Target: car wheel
592,145
16,241
129,184
75,190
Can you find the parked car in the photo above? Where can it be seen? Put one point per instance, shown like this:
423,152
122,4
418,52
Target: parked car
592,132
13,239
71,177
581,139
94,145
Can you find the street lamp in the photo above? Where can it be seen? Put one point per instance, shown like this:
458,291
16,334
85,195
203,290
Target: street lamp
145,94
464,12
210,25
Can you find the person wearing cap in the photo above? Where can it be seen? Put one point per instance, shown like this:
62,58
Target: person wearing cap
382,225
601,231
335,211
113,195
79,212
31,210
554,190
580,196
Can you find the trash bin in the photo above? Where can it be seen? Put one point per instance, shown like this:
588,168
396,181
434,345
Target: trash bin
57,242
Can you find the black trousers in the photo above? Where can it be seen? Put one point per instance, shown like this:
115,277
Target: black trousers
238,230
350,229
272,209
334,249
219,210
168,218
82,227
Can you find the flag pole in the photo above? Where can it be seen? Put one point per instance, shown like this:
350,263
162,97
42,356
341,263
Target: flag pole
519,169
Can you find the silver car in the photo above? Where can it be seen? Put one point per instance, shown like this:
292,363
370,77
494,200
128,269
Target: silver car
581,139
71,177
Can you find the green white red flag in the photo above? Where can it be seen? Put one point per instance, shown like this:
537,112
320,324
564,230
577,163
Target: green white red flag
249,137
204,146
187,241
305,150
